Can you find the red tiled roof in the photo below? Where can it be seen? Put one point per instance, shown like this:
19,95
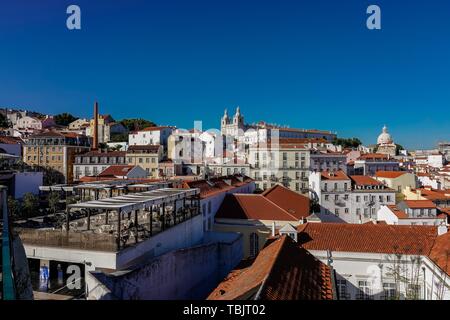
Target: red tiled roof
365,181
215,186
292,202
335,175
389,174
399,213
153,148
102,154
252,206
10,140
281,271
116,170
373,156
435,194
370,238
440,253
418,204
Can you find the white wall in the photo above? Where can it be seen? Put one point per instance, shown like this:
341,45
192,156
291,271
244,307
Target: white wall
356,266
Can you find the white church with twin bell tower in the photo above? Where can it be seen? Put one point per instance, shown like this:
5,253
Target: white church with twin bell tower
231,126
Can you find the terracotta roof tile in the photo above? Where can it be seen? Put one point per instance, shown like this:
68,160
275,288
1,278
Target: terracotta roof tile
215,186
389,174
116,170
292,202
335,175
365,181
252,206
418,204
370,238
281,271
440,253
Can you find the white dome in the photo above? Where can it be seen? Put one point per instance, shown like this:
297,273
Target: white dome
384,137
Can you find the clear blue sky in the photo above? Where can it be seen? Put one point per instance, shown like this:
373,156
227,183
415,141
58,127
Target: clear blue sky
305,63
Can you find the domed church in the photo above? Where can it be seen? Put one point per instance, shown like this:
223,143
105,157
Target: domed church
385,143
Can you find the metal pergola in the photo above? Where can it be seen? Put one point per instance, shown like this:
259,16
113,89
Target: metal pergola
135,202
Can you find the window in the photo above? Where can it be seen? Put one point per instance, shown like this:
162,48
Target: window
388,198
380,198
358,211
342,289
326,197
346,210
254,244
389,290
365,292
297,186
336,212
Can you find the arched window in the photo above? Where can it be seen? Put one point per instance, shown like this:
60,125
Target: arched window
254,244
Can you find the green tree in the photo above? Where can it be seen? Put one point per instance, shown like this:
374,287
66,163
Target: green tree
64,119
30,204
14,208
137,124
347,142
53,201
119,137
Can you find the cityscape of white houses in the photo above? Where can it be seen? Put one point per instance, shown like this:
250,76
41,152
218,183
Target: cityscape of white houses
351,199
236,213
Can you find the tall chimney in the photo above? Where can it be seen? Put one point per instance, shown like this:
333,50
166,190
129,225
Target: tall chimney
95,137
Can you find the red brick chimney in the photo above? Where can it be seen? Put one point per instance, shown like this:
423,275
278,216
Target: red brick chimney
95,137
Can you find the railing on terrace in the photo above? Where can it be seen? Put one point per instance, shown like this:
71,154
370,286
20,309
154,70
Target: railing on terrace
63,239
109,242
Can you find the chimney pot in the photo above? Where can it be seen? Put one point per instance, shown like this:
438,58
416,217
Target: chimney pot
442,229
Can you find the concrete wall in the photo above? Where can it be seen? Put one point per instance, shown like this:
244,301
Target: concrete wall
183,235
190,273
